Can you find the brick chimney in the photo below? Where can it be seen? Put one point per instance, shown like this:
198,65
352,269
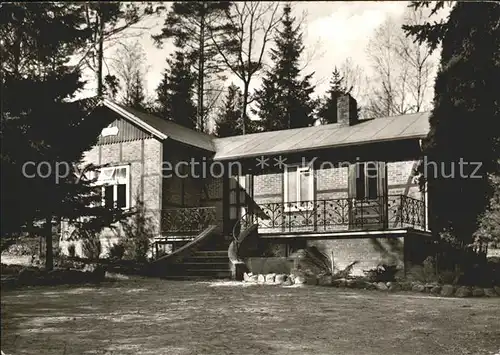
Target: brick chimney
347,110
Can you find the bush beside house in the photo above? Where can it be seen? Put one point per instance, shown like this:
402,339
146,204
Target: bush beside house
312,267
17,275
435,288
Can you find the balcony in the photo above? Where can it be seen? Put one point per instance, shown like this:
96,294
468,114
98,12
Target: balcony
337,215
187,221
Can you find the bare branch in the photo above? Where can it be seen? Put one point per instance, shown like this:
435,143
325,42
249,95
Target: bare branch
255,23
402,69
129,66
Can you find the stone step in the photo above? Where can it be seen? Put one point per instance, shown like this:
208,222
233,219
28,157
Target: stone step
206,265
205,260
211,253
210,261
215,246
201,258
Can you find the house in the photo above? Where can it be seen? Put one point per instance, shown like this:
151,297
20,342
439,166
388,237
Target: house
346,187
133,146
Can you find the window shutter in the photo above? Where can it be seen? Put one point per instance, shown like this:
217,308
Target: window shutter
351,181
382,180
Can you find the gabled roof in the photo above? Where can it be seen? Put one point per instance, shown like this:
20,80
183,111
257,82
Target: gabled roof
163,129
412,126
324,136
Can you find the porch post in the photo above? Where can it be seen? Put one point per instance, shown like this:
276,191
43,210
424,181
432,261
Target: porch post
249,188
225,201
426,208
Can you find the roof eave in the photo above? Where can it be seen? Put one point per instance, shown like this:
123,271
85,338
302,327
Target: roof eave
291,151
112,106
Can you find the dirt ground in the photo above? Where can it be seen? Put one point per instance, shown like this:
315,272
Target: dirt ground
150,316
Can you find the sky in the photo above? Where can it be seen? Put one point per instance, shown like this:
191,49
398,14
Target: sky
332,32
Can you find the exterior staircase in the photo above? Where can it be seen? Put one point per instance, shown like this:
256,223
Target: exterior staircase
204,262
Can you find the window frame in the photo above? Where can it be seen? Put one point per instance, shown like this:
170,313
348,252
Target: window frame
298,169
115,182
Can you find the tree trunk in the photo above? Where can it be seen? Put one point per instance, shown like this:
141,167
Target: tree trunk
201,73
244,108
47,231
100,57
200,95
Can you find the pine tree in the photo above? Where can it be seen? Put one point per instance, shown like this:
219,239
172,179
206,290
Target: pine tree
432,34
194,25
130,68
465,121
284,100
244,43
175,92
327,111
489,232
43,135
228,123
137,97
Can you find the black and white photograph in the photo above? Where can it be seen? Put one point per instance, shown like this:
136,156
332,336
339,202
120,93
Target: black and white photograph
250,177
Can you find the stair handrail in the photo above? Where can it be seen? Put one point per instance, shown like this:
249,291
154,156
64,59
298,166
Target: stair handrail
239,223
238,266
204,234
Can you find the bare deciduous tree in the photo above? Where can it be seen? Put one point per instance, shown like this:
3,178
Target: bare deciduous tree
214,91
353,77
254,23
402,70
421,64
107,22
355,81
130,68
312,51
388,70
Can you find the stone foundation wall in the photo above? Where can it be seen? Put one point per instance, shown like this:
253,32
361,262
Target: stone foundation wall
369,252
279,265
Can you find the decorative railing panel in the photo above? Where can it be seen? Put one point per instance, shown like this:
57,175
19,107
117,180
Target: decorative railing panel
341,214
187,220
412,213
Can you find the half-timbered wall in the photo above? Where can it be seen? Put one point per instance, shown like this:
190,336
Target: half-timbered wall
133,147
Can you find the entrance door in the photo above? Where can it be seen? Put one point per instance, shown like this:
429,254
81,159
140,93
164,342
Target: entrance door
368,195
237,207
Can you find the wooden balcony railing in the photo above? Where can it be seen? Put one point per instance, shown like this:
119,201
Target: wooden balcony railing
343,214
190,220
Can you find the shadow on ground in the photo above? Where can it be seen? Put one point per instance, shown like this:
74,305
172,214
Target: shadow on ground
149,316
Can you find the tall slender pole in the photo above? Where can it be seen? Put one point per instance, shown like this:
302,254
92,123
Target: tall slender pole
100,57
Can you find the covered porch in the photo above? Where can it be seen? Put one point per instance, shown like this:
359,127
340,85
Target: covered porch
340,215
181,225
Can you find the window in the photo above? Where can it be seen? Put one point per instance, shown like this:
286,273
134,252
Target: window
299,187
109,197
115,182
121,195
367,178
236,196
